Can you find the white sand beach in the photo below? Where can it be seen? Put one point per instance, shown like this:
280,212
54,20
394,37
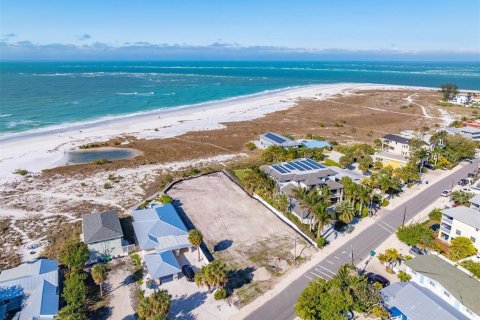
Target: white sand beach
35,151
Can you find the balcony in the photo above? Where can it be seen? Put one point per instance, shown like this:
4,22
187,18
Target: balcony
447,220
445,230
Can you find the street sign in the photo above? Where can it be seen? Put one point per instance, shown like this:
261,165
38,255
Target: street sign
372,253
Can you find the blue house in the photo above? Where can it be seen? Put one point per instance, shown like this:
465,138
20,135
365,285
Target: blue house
313,143
31,289
161,235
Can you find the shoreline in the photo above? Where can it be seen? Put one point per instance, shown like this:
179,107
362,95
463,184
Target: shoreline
35,152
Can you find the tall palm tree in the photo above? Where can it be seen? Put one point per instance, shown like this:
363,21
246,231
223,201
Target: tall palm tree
201,279
364,197
99,275
195,237
392,255
345,212
307,199
322,216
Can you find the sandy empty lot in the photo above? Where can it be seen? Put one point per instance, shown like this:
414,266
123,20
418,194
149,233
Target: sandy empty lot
239,229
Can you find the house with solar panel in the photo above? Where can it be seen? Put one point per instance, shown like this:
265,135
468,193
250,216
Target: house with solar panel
162,237
274,139
307,174
30,291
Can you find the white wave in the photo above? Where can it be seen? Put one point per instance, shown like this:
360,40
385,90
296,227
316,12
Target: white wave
168,94
4,115
141,94
13,124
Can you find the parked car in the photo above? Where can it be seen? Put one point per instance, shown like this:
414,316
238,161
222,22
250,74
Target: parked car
446,193
429,166
466,190
471,175
435,227
188,272
463,182
416,251
376,278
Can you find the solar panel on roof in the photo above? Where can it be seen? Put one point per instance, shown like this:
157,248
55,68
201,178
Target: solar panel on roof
279,169
302,165
275,138
314,164
297,166
284,168
308,165
289,166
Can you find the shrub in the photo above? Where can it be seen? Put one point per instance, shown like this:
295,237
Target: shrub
331,163
415,234
461,247
220,294
435,214
136,260
21,172
114,178
100,161
107,185
251,146
472,266
165,199
385,202
321,242
404,277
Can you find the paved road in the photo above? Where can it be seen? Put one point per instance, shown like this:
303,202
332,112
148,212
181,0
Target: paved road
281,306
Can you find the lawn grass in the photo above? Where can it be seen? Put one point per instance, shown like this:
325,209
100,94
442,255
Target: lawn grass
241,173
330,162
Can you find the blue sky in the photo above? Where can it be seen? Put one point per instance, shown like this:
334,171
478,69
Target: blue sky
87,28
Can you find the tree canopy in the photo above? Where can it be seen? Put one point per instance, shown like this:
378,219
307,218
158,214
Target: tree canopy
415,234
99,275
449,90
155,306
74,253
460,248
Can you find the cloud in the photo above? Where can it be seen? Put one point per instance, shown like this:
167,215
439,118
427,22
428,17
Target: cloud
10,35
84,37
26,50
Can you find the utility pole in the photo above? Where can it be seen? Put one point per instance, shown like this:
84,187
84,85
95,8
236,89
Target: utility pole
352,253
453,180
404,215
295,249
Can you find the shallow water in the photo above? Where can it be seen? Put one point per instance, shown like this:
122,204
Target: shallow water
36,95
87,156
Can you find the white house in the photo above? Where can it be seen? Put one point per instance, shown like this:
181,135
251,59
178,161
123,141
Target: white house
395,150
460,222
447,282
462,98
274,139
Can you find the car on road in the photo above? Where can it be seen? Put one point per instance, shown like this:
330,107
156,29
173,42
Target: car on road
188,272
376,278
446,193
416,251
463,182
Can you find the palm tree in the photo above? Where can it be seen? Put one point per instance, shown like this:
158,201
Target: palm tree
155,306
322,216
307,199
438,138
345,212
195,237
99,275
392,255
200,279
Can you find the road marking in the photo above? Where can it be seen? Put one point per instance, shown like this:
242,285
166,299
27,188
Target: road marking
307,277
328,270
324,274
336,257
316,275
383,223
330,262
384,228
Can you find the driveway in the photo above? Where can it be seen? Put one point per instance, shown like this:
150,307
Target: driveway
120,289
357,249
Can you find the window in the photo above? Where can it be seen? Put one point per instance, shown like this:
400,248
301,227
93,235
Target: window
446,293
473,239
458,233
431,283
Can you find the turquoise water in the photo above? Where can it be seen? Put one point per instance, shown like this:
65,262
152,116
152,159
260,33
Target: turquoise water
36,95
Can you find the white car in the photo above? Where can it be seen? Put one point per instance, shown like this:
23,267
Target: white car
446,193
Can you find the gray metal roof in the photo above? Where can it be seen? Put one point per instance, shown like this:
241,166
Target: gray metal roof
279,140
466,215
102,226
419,303
463,287
396,138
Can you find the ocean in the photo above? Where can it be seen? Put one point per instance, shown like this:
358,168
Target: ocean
40,95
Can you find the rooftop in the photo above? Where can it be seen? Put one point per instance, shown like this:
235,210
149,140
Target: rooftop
102,226
463,287
419,303
29,269
396,138
391,156
303,170
279,140
466,215
160,228
312,143
475,200
162,264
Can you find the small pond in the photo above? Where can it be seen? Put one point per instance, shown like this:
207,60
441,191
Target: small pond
111,154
